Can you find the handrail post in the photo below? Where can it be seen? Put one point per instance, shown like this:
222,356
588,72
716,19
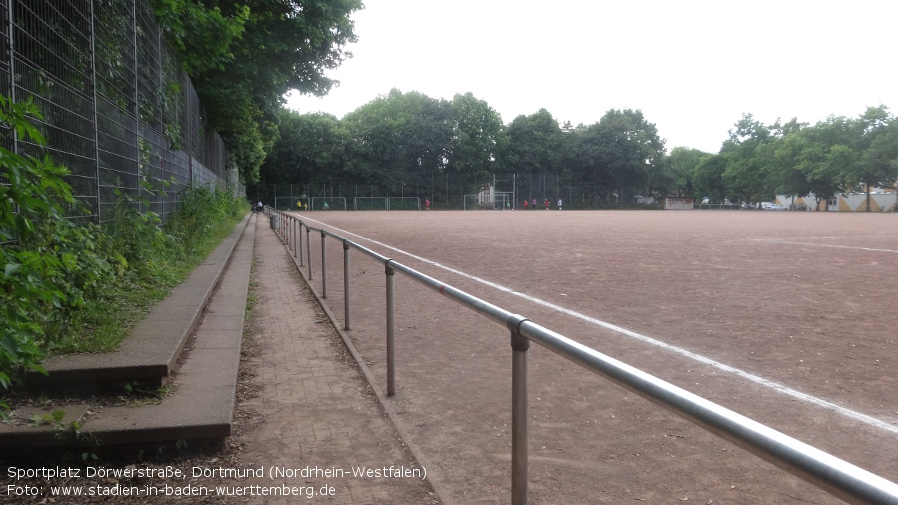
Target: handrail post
295,234
345,285
520,417
323,265
309,249
301,260
391,329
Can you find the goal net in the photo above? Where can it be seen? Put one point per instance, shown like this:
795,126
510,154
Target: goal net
483,201
370,203
291,203
403,203
328,203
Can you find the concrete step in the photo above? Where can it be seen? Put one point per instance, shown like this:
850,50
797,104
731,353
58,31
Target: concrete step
201,404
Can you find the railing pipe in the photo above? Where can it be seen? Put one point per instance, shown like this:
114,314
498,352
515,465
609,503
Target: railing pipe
836,476
391,330
309,249
301,261
346,318
323,265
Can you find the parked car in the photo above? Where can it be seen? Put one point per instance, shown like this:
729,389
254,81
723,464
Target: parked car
774,206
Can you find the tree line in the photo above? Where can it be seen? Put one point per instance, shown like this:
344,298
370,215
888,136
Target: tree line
403,138
243,55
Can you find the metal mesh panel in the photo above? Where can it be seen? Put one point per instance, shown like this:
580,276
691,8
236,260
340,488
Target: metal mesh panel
118,111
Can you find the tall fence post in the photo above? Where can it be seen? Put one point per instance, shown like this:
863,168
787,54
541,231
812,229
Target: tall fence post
391,329
323,265
309,249
520,416
346,318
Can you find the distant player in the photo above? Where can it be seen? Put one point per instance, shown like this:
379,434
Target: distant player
526,203
426,204
533,204
546,204
559,204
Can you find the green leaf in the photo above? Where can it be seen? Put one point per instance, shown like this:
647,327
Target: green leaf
11,269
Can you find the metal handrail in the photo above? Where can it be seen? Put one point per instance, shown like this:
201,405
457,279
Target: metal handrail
836,476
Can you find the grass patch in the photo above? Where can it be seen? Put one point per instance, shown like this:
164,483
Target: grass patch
105,321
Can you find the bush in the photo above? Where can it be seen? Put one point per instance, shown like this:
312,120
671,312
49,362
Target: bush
49,263
70,287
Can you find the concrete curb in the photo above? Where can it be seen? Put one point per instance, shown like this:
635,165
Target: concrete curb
150,354
201,405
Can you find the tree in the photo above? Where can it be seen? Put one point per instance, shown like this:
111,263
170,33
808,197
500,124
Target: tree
477,137
243,55
632,151
749,160
876,141
708,177
398,138
583,154
813,159
310,148
533,146
682,163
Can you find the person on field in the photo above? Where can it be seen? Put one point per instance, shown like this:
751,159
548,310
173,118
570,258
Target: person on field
526,204
426,204
533,204
559,204
546,203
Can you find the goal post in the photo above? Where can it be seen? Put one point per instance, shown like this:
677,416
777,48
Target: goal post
403,203
483,201
503,200
328,203
291,203
369,203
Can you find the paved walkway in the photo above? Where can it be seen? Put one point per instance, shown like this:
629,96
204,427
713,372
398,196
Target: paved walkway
313,410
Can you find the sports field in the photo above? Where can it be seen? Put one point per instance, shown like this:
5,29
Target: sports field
786,317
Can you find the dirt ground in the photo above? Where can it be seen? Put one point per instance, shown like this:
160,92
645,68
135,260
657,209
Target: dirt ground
785,317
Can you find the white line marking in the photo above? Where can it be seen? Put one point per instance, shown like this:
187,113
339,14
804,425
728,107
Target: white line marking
827,245
872,421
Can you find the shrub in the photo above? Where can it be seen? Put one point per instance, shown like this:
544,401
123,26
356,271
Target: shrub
49,264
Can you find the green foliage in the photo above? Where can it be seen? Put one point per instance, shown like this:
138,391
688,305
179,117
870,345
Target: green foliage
49,264
533,145
244,55
202,35
477,138
310,147
62,282
155,258
398,137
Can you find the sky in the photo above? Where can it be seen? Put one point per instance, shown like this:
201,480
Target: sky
692,67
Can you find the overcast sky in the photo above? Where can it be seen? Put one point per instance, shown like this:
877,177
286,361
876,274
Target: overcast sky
692,67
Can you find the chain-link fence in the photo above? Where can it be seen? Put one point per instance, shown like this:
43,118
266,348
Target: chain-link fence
118,111
446,191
